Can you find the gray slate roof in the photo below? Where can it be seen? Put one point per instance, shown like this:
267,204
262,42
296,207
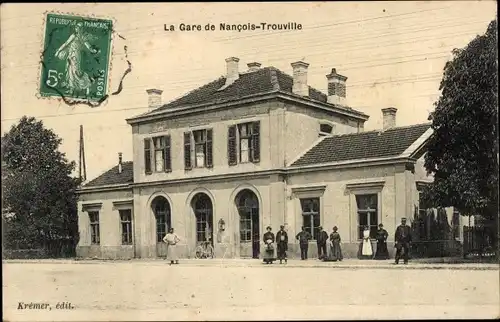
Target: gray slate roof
364,145
112,176
264,80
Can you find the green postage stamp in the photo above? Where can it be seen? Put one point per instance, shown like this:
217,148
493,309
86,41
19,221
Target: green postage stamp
76,57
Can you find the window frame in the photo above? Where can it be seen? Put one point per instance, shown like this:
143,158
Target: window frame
310,216
326,123
253,134
128,224
367,212
95,229
164,221
191,144
308,192
372,186
163,147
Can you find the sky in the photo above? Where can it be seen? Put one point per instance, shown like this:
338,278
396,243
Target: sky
393,54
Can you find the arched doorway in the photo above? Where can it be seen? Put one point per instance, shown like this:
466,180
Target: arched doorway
203,211
162,212
248,210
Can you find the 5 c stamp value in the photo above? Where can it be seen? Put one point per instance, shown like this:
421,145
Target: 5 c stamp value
75,58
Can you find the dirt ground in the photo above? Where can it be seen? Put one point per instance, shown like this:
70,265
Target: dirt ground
157,291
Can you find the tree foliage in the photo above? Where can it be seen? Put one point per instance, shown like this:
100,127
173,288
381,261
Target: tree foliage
39,203
463,151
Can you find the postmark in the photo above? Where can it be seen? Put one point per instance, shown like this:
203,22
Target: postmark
76,56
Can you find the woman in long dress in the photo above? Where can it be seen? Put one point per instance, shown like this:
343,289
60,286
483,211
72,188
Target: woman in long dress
382,251
172,239
366,248
335,251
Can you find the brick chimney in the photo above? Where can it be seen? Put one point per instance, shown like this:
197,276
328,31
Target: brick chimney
389,117
300,86
154,97
252,67
232,70
336,88
120,168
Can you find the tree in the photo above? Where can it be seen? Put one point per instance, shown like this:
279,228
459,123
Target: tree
39,202
462,154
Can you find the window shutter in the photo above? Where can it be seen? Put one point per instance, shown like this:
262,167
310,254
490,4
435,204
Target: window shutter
231,145
256,141
147,156
209,159
167,155
187,151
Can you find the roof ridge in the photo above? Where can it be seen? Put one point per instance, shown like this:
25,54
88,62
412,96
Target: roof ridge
187,93
381,130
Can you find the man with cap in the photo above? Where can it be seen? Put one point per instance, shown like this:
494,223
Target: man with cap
303,238
321,242
282,244
403,239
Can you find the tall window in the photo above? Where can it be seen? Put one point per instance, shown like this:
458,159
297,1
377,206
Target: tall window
367,214
162,153
244,143
161,209
200,142
248,209
161,157
126,225
94,227
311,216
203,212
200,148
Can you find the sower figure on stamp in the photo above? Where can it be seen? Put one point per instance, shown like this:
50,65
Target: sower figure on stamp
172,239
303,238
321,242
282,243
403,239
76,78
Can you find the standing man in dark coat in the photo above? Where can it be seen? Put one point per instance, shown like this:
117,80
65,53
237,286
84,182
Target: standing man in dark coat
282,241
403,239
303,238
321,242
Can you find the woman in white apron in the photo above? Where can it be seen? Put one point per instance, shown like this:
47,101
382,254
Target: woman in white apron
172,239
366,248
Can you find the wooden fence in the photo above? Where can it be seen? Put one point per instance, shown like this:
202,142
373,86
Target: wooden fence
478,241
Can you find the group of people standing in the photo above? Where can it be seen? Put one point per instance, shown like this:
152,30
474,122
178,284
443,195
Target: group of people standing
329,246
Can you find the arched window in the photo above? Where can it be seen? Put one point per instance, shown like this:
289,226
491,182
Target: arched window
161,210
248,209
202,206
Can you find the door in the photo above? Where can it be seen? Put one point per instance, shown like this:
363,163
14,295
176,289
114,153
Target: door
248,210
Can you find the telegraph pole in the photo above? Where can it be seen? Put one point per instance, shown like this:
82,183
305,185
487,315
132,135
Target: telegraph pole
82,167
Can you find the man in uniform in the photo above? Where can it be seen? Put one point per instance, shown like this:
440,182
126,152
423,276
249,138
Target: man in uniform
303,238
403,239
321,242
282,241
